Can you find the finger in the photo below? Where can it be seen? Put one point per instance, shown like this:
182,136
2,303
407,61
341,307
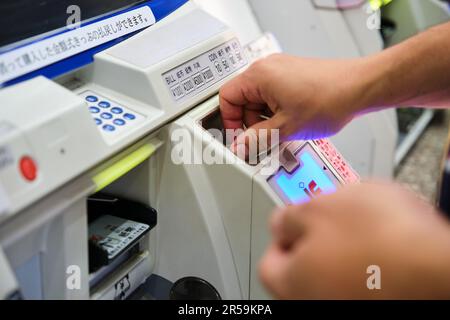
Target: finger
235,96
254,113
259,137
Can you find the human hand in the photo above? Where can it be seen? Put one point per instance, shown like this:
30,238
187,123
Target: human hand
303,98
322,249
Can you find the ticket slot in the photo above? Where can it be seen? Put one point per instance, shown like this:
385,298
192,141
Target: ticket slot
213,122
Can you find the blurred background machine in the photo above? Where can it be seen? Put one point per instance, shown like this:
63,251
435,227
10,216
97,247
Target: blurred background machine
422,132
401,20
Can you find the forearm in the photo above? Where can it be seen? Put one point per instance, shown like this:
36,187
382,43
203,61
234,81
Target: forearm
416,72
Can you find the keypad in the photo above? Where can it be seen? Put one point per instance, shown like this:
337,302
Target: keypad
109,116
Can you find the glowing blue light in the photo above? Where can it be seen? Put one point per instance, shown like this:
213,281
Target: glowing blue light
305,182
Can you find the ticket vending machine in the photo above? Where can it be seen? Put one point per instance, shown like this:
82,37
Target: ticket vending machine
94,200
228,202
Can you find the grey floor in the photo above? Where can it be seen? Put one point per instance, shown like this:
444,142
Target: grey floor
420,169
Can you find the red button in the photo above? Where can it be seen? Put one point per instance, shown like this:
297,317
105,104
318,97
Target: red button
28,168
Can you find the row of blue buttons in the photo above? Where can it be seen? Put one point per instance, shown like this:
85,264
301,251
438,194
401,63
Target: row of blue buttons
115,110
118,122
108,127
107,115
102,104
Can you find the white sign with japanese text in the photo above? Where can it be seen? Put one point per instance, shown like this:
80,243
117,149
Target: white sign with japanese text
43,53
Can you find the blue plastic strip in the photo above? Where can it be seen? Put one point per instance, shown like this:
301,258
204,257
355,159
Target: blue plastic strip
160,8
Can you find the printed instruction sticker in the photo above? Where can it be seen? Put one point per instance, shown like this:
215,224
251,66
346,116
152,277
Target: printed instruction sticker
43,53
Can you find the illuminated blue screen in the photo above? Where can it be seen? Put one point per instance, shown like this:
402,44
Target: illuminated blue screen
306,182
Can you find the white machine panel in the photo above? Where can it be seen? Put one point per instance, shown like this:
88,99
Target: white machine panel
42,144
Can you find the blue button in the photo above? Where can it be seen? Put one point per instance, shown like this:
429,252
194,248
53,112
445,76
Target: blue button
117,110
109,128
104,104
94,109
98,121
129,116
106,115
91,99
119,122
